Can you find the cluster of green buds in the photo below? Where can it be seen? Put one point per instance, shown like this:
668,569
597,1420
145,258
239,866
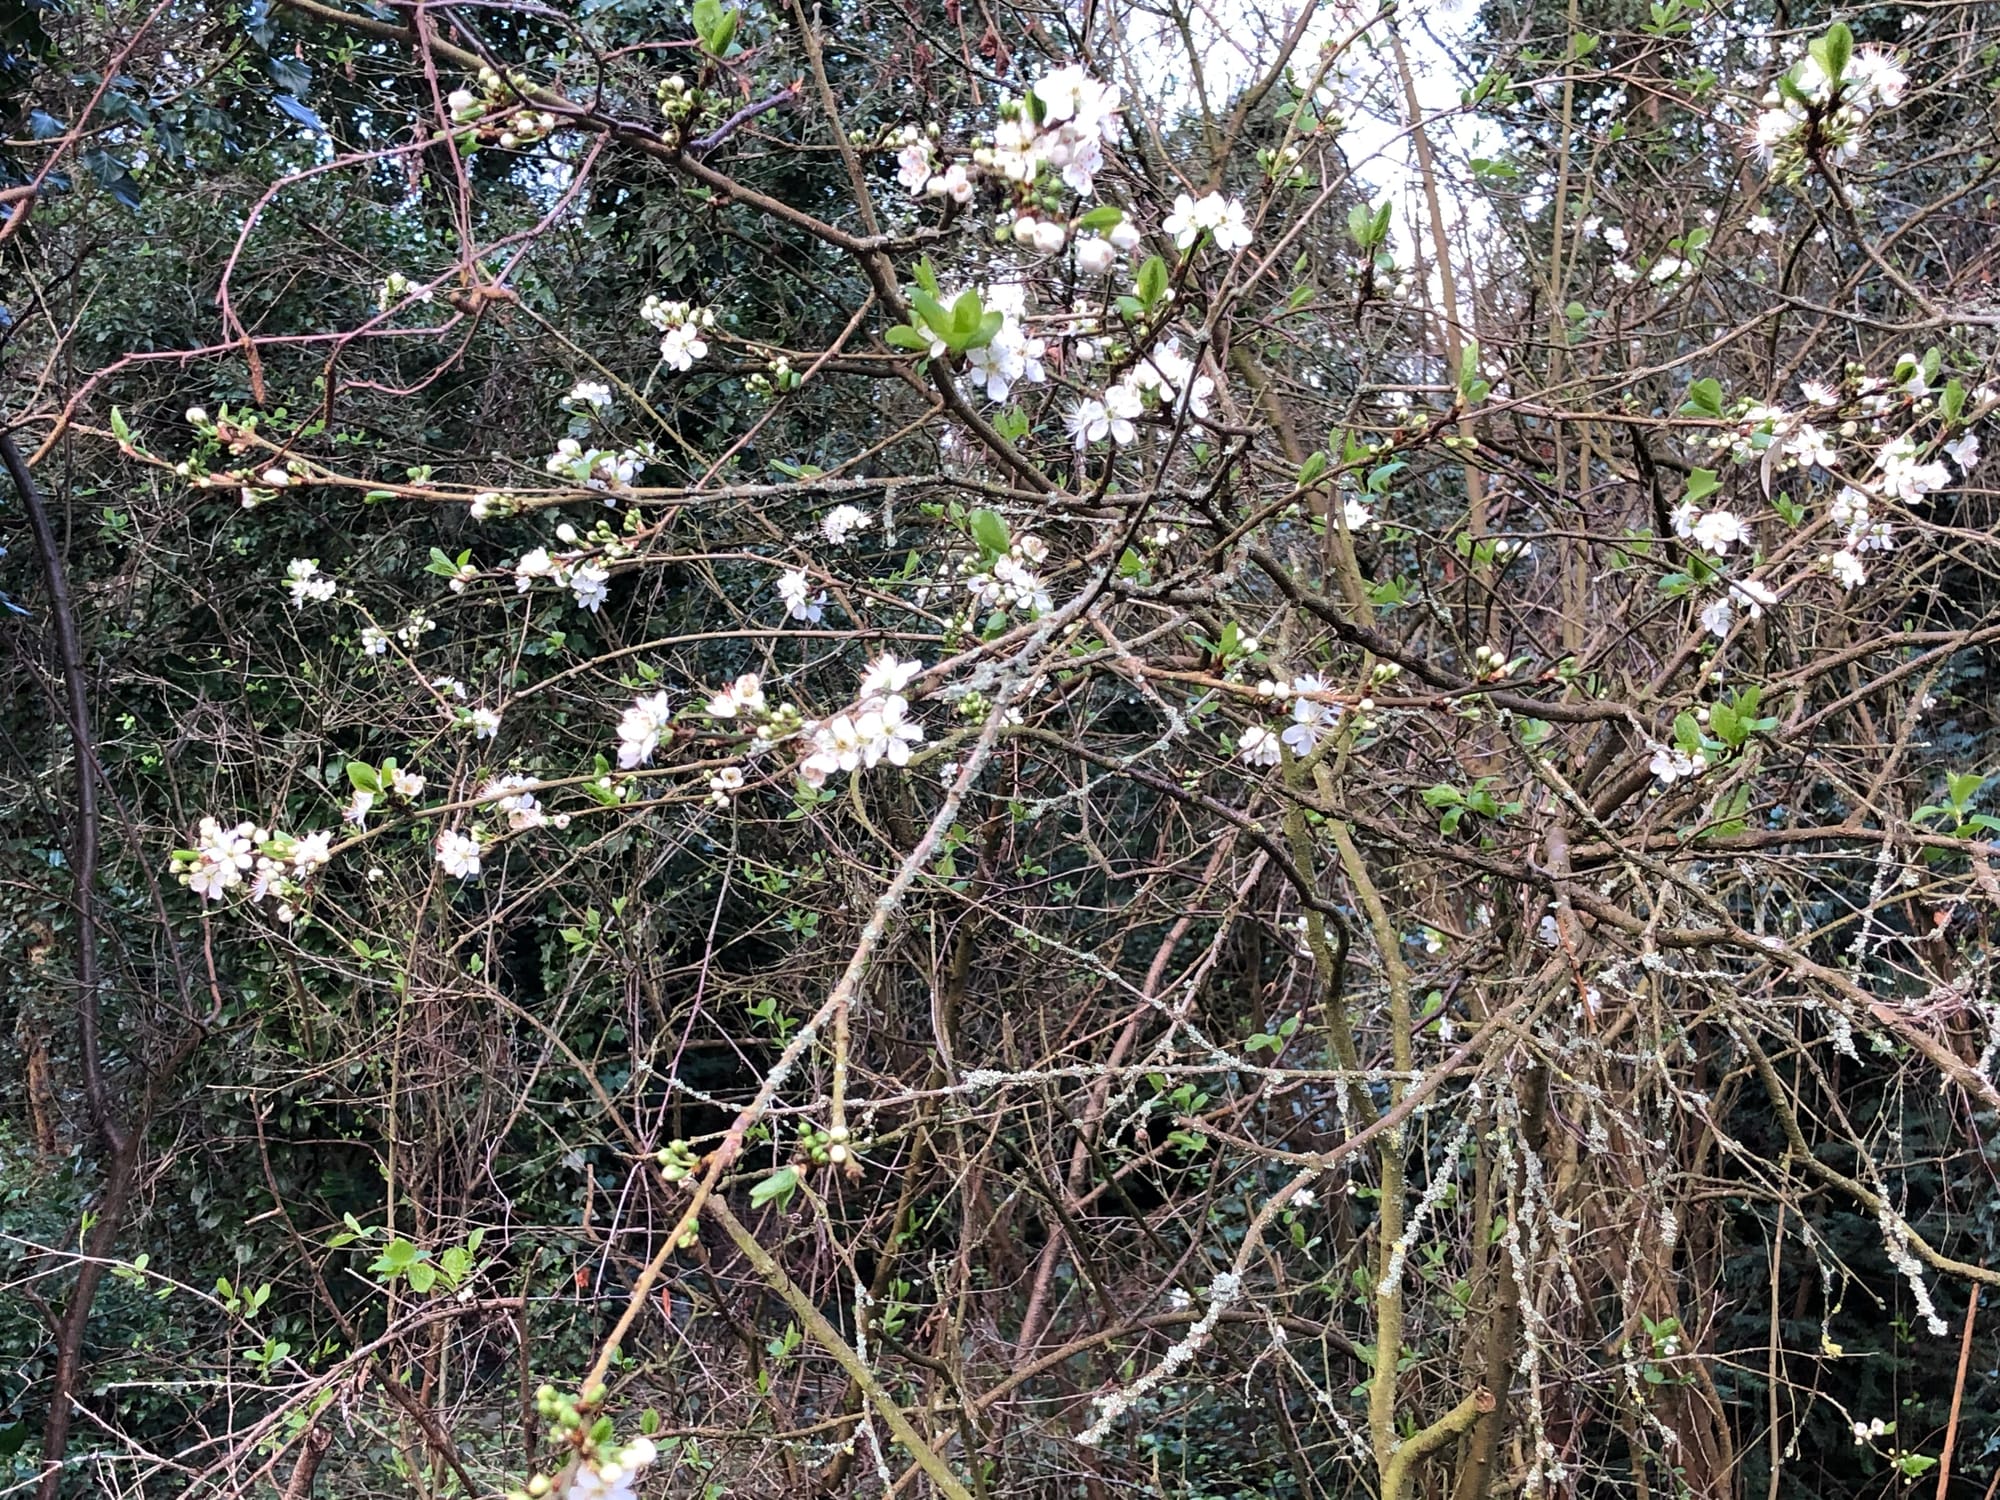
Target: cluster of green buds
489,504
1284,166
473,107
829,1147
677,1161
603,1468
785,721
677,98
776,381
601,536
395,287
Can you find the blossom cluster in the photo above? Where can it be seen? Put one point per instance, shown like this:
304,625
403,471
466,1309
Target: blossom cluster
587,577
843,523
1010,583
1751,595
681,327
877,729
593,468
390,780
1220,218
1164,378
1312,716
306,583
1817,109
493,111
277,864
795,592
1013,354
614,1478
1064,122
640,728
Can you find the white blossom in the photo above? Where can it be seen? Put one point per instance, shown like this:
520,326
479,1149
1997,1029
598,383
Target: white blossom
307,583
1670,765
311,850
913,164
744,696
532,565
514,797
1904,477
640,729
1717,530
795,589
1220,217
843,522
886,675
954,182
458,853
1011,356
1095,256
681,327
591,584
1259,746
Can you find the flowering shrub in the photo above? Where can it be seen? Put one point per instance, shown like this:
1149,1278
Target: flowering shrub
1006,762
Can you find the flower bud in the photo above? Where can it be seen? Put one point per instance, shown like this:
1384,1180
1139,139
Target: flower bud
1094,256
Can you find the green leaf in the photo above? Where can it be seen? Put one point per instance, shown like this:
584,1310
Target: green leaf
965,315
1470,386
1152,282
1723,724
926,275
933,313
715,26
397,1257
1312,468
989,326
1952,401
113,176
1704,398
990,532
1833,50
1687,733
779,1186
903,336
1701,484
1105,216
362,777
